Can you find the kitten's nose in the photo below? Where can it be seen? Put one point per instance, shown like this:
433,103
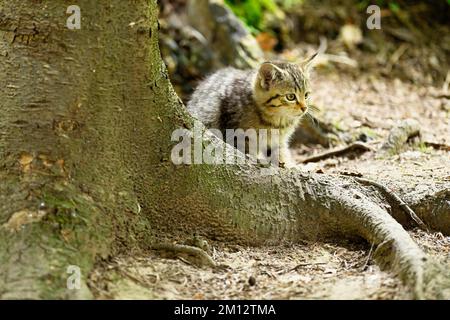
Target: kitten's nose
302,106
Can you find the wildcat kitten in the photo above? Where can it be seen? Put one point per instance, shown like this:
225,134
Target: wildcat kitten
274,96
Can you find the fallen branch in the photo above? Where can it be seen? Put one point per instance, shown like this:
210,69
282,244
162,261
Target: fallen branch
339,152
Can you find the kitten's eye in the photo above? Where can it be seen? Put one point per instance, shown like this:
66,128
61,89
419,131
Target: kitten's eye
290,97
306,95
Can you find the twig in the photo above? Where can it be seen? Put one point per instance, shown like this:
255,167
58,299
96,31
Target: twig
442,96
446,84
437,146
403,205
368,258
323,45
434,168
340,59
325,58
198,253
133,278
396,55
339,151
307,264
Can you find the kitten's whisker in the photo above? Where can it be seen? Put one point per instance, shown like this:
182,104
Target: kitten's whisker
312,109
310,117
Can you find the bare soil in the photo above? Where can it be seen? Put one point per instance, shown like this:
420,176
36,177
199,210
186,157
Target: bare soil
366,109
287,271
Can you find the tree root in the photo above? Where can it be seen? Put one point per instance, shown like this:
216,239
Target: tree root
301,206
229,203
394,247
358,214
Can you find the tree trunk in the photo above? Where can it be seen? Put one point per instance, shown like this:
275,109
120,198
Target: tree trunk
77,111
85,167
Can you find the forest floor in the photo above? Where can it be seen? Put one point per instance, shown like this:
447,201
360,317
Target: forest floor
357,105
362,103
286,271
371,107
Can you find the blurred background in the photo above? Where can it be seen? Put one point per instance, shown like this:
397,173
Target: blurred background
413,43
365,80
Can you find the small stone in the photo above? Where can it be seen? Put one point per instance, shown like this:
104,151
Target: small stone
251,281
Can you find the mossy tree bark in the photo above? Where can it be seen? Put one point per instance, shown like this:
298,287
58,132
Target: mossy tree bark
85,170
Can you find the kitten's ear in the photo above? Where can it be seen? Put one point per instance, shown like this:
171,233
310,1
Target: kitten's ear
268,73
306,64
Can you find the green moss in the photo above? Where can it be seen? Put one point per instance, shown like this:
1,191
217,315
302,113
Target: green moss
422,147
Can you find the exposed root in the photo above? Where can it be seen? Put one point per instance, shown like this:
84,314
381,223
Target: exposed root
394,247
325,207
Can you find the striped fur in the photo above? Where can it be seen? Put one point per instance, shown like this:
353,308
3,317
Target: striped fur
259,99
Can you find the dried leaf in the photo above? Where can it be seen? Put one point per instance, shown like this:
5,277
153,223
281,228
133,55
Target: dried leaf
266,41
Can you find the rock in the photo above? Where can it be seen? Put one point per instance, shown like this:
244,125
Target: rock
186,53
230,41
398,136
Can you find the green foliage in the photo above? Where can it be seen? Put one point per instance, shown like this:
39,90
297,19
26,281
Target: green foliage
252,12
288,4
392,5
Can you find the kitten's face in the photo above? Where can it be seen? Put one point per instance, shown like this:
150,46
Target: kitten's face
282,89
